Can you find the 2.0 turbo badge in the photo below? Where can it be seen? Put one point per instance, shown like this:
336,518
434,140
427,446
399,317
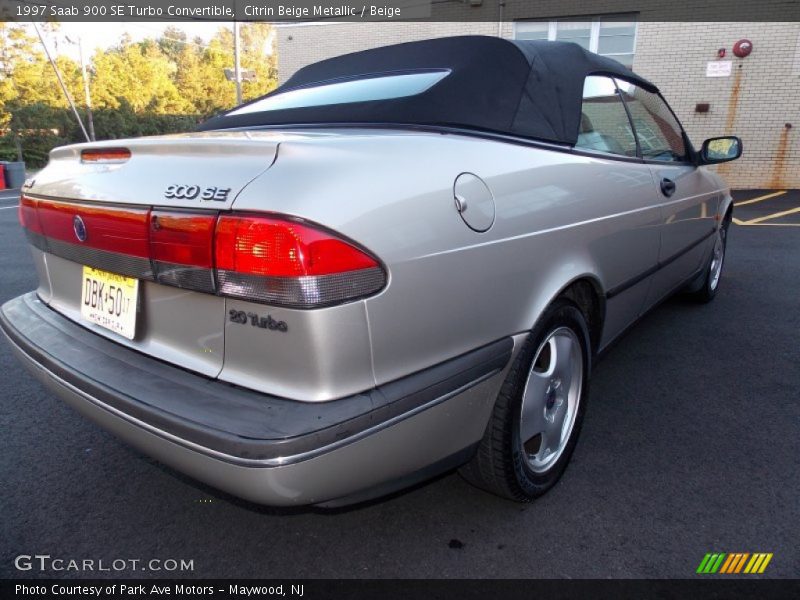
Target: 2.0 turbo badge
242,317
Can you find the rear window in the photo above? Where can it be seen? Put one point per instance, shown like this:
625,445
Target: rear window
364,89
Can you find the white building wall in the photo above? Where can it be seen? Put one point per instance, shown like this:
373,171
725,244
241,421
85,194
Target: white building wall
756,102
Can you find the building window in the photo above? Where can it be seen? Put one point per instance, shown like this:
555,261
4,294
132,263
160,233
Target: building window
612,36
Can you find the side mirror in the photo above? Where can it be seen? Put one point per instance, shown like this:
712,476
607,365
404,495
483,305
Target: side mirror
720,149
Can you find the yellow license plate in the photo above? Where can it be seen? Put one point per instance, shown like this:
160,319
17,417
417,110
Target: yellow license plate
110,300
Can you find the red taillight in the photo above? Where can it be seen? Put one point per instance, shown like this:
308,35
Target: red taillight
292,264
121,230
28,217
182,238
114,155
267,246
182,249
252,257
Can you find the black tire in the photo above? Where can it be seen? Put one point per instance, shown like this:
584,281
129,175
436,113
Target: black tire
710,287
500,465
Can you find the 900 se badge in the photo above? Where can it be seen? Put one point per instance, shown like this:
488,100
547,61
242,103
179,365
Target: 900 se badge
190,192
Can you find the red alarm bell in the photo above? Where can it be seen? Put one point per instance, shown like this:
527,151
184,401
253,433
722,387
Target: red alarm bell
742,48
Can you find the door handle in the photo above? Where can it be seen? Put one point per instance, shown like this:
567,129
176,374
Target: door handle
667,187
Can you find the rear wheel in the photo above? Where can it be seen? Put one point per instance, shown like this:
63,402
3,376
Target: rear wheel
538,413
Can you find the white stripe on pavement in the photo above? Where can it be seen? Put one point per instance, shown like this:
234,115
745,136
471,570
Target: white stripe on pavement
5,207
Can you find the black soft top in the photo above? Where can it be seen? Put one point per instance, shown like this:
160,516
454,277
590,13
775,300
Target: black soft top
526,88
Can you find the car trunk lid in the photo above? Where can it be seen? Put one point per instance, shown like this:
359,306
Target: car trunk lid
194,170
95,206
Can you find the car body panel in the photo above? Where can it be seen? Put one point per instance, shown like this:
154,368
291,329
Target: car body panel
44,289
323,355
690,216
178,326
578,215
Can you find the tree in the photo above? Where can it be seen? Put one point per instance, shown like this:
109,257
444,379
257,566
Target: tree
159,85
172,42
139,73
200,67
258,55
32,103
27,75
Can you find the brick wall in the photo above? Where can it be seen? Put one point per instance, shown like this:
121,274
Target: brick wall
755,102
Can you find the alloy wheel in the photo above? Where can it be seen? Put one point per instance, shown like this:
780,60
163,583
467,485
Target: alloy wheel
550,399
718,258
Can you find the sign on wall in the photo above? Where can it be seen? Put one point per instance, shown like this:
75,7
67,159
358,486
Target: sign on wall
719,68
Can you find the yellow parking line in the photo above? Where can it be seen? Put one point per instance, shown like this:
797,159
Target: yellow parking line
791,211
768,224
760,198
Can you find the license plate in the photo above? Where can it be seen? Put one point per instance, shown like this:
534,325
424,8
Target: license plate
109,300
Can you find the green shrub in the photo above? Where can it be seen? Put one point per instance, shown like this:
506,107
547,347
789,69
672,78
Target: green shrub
8,151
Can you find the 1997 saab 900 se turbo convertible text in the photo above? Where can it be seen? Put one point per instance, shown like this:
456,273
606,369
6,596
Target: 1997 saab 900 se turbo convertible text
400,262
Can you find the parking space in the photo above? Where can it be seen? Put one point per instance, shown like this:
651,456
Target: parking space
690,445
9,199
770,208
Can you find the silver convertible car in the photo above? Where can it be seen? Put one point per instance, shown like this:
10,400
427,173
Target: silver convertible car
402,261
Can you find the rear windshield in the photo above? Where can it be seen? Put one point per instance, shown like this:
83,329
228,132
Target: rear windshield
364,89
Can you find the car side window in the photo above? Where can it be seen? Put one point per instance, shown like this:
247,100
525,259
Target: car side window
658,131
604,123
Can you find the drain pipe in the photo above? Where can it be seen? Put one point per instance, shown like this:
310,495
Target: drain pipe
500,6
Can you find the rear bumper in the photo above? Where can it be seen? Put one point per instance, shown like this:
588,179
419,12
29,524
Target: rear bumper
262,448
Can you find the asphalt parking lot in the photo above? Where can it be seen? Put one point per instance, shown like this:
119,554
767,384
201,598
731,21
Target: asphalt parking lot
691,444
